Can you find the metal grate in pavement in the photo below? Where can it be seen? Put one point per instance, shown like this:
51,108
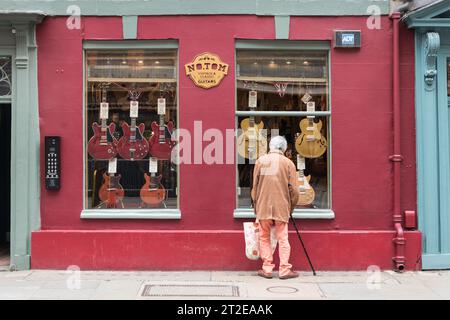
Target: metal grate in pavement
190,290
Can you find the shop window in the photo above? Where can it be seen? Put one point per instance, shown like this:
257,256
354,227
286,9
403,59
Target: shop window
130,114
291,88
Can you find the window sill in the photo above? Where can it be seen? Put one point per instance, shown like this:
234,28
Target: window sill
131,214
298,213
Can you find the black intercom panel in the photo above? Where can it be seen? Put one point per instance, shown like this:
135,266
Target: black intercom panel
52,163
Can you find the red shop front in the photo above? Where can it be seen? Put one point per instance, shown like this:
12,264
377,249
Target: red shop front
191,217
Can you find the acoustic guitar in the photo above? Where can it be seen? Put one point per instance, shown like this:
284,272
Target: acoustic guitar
103,145
307,193
310,143
132,145
111,192
160,143
153,192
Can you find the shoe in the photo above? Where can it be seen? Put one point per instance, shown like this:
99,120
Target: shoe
290,275
263,274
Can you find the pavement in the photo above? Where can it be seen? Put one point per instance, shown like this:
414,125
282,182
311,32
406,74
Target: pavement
100,285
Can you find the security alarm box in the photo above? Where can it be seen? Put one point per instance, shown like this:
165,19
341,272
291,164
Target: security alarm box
347,39
52,163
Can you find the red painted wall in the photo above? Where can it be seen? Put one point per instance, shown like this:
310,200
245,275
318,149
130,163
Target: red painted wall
361,100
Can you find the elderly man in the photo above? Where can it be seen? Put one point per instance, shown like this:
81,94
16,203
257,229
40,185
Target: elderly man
275,193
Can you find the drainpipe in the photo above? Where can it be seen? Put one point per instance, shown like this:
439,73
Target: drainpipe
397,158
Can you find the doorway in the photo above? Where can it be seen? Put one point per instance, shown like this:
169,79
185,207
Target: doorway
436,219
5,185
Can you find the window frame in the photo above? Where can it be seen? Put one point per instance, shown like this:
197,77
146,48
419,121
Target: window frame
303,45
158,213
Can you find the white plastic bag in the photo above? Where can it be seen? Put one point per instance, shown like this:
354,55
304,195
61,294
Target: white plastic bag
251,234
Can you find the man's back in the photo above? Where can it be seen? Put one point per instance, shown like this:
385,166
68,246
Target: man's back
272,174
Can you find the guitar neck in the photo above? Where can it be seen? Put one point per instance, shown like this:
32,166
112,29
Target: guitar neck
103,134
162,134
133,130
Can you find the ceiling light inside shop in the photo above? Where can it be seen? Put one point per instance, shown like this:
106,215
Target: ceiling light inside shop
156,62
141,61
288,62
305,62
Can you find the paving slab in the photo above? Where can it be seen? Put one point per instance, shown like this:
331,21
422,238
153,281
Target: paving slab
62,294
17,293
358,291
117,290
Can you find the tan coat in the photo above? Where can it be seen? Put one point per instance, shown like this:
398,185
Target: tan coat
270,193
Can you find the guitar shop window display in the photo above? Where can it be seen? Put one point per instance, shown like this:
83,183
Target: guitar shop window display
275,193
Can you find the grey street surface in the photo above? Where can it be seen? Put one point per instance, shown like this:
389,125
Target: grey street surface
73,284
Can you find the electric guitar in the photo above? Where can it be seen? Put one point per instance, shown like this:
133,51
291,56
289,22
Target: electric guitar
310,143
102,145
152,192
307,193
111,192
160,142
132,145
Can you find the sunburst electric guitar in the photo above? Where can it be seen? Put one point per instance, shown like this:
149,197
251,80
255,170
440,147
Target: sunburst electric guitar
152,192
111,192
310,143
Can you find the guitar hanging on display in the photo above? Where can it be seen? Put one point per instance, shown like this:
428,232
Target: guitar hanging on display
152,192
307,193
111,192
132,145
160,143
251,143
103,145
310,143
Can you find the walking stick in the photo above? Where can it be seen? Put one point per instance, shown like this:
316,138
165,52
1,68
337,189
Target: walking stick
303,245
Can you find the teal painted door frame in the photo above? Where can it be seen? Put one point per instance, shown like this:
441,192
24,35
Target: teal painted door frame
437,255
25,190
433,155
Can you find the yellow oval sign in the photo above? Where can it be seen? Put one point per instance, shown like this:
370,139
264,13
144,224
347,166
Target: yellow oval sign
206,70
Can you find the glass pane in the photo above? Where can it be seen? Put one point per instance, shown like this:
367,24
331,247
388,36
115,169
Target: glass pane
132,130
314,152
5,76
284,80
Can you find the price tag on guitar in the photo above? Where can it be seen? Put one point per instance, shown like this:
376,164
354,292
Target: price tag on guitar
134,107
104,110
112,165
161,106
252,99
153,165
300,162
